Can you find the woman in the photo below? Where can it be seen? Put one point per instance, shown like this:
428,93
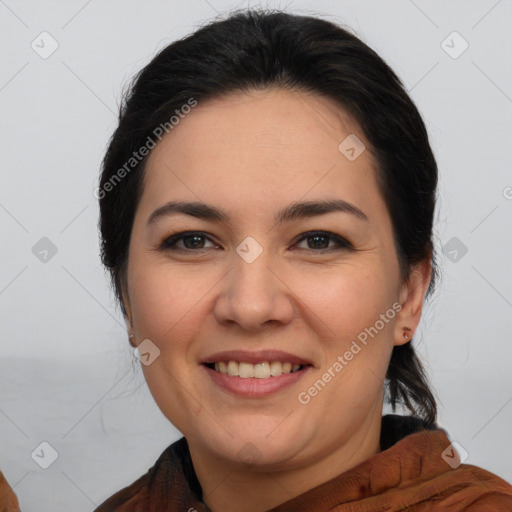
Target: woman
267,205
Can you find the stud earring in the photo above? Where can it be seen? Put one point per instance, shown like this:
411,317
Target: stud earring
407,333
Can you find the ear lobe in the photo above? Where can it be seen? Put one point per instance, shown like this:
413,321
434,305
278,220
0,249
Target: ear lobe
412,296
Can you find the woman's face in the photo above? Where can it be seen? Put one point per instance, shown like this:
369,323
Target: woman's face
245,283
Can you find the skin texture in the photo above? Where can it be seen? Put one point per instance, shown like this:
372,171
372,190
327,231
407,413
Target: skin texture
252,154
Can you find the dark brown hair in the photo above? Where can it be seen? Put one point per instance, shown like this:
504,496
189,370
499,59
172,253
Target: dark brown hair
259,49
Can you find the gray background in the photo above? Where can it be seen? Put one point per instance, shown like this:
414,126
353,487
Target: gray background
66,368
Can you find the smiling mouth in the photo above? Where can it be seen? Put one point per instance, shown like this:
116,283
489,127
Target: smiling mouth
262,370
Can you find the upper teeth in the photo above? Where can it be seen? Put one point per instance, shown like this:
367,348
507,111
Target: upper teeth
261,370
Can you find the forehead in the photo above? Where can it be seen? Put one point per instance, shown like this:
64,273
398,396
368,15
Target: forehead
272,119
261,146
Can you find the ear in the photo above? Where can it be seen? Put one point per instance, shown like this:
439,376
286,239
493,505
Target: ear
412,294
128,315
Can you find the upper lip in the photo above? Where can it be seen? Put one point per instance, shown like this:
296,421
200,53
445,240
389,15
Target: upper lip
258,356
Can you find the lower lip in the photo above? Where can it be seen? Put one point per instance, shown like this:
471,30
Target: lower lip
252,387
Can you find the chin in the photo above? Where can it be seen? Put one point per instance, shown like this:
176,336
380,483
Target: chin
257,442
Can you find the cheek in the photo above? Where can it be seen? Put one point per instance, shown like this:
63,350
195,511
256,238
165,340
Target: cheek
342,300
356,318
355,312
163,300
165,308
346,300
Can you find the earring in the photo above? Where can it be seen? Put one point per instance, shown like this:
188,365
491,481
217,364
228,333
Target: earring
407,333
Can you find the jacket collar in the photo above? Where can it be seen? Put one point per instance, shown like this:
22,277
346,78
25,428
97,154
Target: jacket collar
373,476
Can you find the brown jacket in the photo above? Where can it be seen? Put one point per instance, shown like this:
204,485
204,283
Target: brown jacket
416,471
8,500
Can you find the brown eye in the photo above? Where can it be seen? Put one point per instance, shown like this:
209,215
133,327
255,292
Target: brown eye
318,241
192,240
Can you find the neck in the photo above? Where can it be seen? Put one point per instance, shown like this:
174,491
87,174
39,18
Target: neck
229,487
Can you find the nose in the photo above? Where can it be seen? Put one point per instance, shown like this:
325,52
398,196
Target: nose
254,294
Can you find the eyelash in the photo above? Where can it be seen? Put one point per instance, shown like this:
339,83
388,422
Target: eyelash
169,244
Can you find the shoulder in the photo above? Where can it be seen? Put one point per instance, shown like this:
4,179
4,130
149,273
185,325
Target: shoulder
8,500
466,488
128,498
133,498
430,472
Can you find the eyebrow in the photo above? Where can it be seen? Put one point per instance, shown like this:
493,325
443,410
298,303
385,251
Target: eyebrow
292,212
